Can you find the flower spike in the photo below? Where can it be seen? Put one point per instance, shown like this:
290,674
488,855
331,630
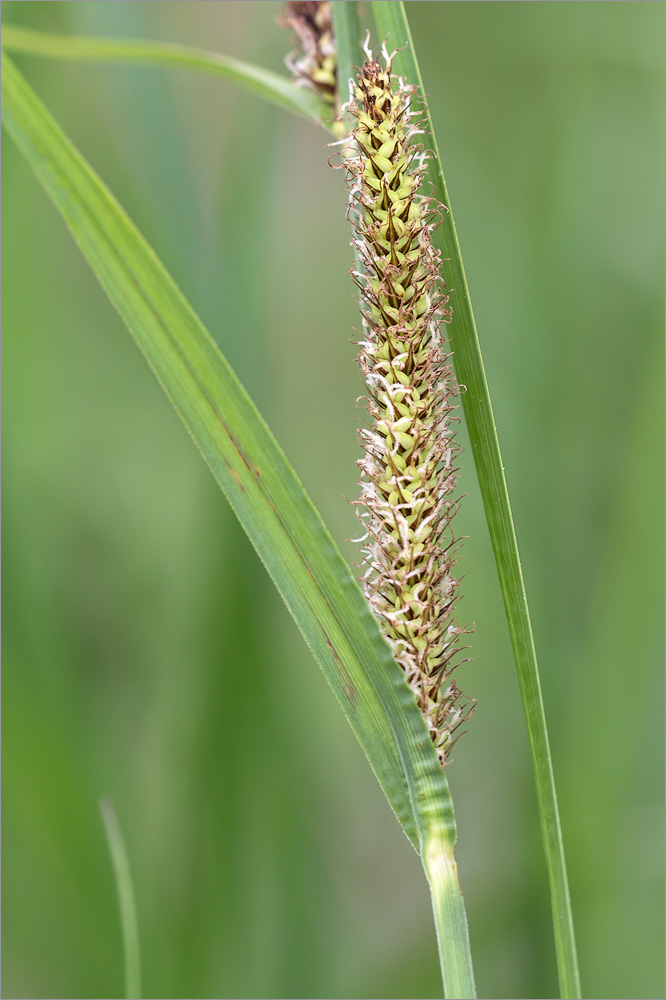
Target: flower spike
315,63
408,476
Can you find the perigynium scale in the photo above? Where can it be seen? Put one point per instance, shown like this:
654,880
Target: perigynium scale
409,480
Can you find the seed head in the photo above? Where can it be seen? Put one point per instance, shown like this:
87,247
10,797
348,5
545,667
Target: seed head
315,62
408,482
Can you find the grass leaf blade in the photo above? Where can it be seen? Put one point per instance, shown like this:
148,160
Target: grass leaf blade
391,19
262,82
263,490
128,920
260,485
269,501
347,29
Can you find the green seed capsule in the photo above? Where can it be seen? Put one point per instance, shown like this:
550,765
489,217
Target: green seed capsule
387,148
381,163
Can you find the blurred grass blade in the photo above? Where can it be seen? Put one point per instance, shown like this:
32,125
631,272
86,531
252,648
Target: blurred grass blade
242,454
391,19
126,903
347,30
262,488
271,86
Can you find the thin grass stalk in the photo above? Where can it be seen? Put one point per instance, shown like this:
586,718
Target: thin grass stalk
347,32
273,87
391,20
129,924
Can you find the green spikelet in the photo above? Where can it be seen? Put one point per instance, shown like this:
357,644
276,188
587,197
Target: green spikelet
408,477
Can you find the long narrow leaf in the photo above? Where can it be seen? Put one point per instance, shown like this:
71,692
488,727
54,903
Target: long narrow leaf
271,86
129,923
392,23
263,490
347,29
245,459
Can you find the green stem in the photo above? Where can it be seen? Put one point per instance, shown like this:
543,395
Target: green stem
128,919
347,30
448,908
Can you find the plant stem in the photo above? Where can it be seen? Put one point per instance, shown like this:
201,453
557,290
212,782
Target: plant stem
448,908
347,28
128,919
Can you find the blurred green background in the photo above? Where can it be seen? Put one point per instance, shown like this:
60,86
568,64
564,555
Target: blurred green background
142,638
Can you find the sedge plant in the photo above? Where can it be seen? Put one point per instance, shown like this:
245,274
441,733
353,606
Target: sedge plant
408,494
388,654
